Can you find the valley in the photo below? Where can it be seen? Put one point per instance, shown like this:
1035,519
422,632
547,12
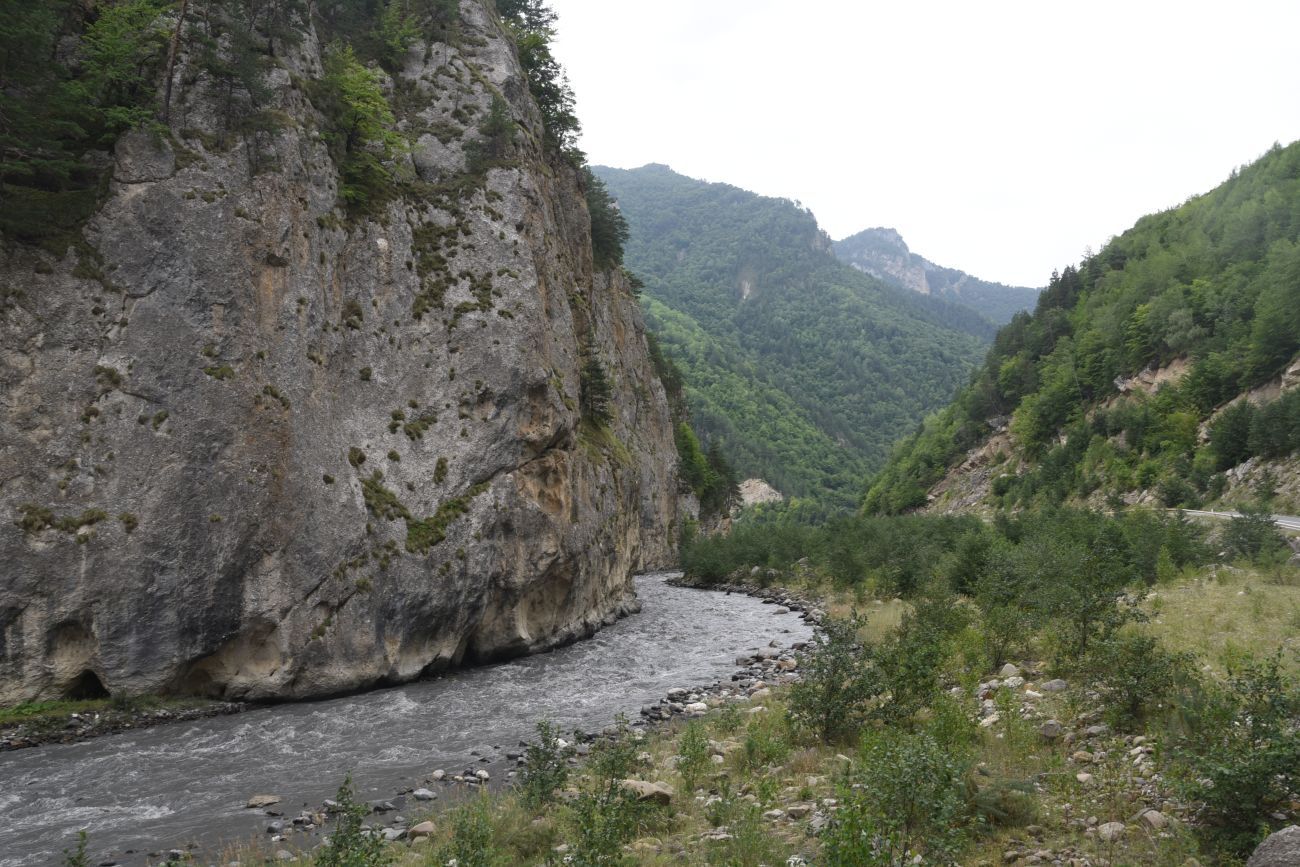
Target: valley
394,475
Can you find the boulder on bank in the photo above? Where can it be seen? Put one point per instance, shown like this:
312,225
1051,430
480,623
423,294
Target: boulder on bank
1281,849
655,793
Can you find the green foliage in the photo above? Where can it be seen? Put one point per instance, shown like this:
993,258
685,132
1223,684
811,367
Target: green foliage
838,679
608,226
595,392
421,535
1253,534
473,838
533,24
906,799
803,369
360,128
350,845
546,766
1137,677
606,815
499,131
52,115
910,660
1213,282
708,475
1242,753
77,856
693,757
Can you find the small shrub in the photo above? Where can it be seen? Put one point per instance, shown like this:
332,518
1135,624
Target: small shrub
76,856
473,839
1242,755
837,680
1136,676
606,815
350,845
905,798
693,757
546,767
1252,535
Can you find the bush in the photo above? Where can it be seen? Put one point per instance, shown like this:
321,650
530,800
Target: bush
76,856
693,757
472,842
1252,535
546,766
905,798
1136,677
350,845
838,678
911,659
605,815
1242,755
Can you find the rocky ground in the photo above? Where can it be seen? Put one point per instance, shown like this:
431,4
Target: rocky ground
69,722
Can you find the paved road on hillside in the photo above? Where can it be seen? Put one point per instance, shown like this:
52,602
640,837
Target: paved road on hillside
1286,522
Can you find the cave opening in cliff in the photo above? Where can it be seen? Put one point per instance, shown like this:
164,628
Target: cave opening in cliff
86,686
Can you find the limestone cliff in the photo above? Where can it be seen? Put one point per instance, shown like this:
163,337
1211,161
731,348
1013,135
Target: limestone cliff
883,254
255,447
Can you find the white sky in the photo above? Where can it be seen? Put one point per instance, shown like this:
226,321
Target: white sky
1001,138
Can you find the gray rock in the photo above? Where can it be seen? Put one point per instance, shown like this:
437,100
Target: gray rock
656,793
1111,831
424,795
1051,730
1279,849
259,801
1057,685
248,337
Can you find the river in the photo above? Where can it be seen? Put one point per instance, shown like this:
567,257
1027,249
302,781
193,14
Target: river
166,787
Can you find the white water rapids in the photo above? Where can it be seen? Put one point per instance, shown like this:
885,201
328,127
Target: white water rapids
162,788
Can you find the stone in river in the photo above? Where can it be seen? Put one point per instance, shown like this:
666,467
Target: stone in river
424,795
258,801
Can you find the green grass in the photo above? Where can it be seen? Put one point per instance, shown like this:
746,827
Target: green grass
1224,614
41,713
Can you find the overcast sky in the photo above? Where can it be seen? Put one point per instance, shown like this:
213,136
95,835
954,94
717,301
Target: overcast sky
1001,138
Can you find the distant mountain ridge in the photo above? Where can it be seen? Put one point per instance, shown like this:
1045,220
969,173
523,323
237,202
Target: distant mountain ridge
804,369
882,253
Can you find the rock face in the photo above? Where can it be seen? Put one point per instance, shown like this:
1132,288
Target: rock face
883,254
757,491
252,447
1281,849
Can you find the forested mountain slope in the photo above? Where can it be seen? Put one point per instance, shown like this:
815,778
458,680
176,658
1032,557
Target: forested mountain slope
883,253
805,368
1124,384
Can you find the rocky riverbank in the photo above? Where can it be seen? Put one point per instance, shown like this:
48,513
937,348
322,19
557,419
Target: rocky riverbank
294,830
57,726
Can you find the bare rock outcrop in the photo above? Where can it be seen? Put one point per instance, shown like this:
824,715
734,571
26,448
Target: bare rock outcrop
254,447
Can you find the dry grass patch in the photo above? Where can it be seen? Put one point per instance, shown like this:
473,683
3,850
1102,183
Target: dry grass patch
1225,615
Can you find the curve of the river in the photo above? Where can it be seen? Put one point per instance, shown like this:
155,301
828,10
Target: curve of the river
187,783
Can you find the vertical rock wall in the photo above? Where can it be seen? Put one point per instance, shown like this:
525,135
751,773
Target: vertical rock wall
252,447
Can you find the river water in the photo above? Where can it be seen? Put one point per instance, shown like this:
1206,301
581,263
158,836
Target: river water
165,787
